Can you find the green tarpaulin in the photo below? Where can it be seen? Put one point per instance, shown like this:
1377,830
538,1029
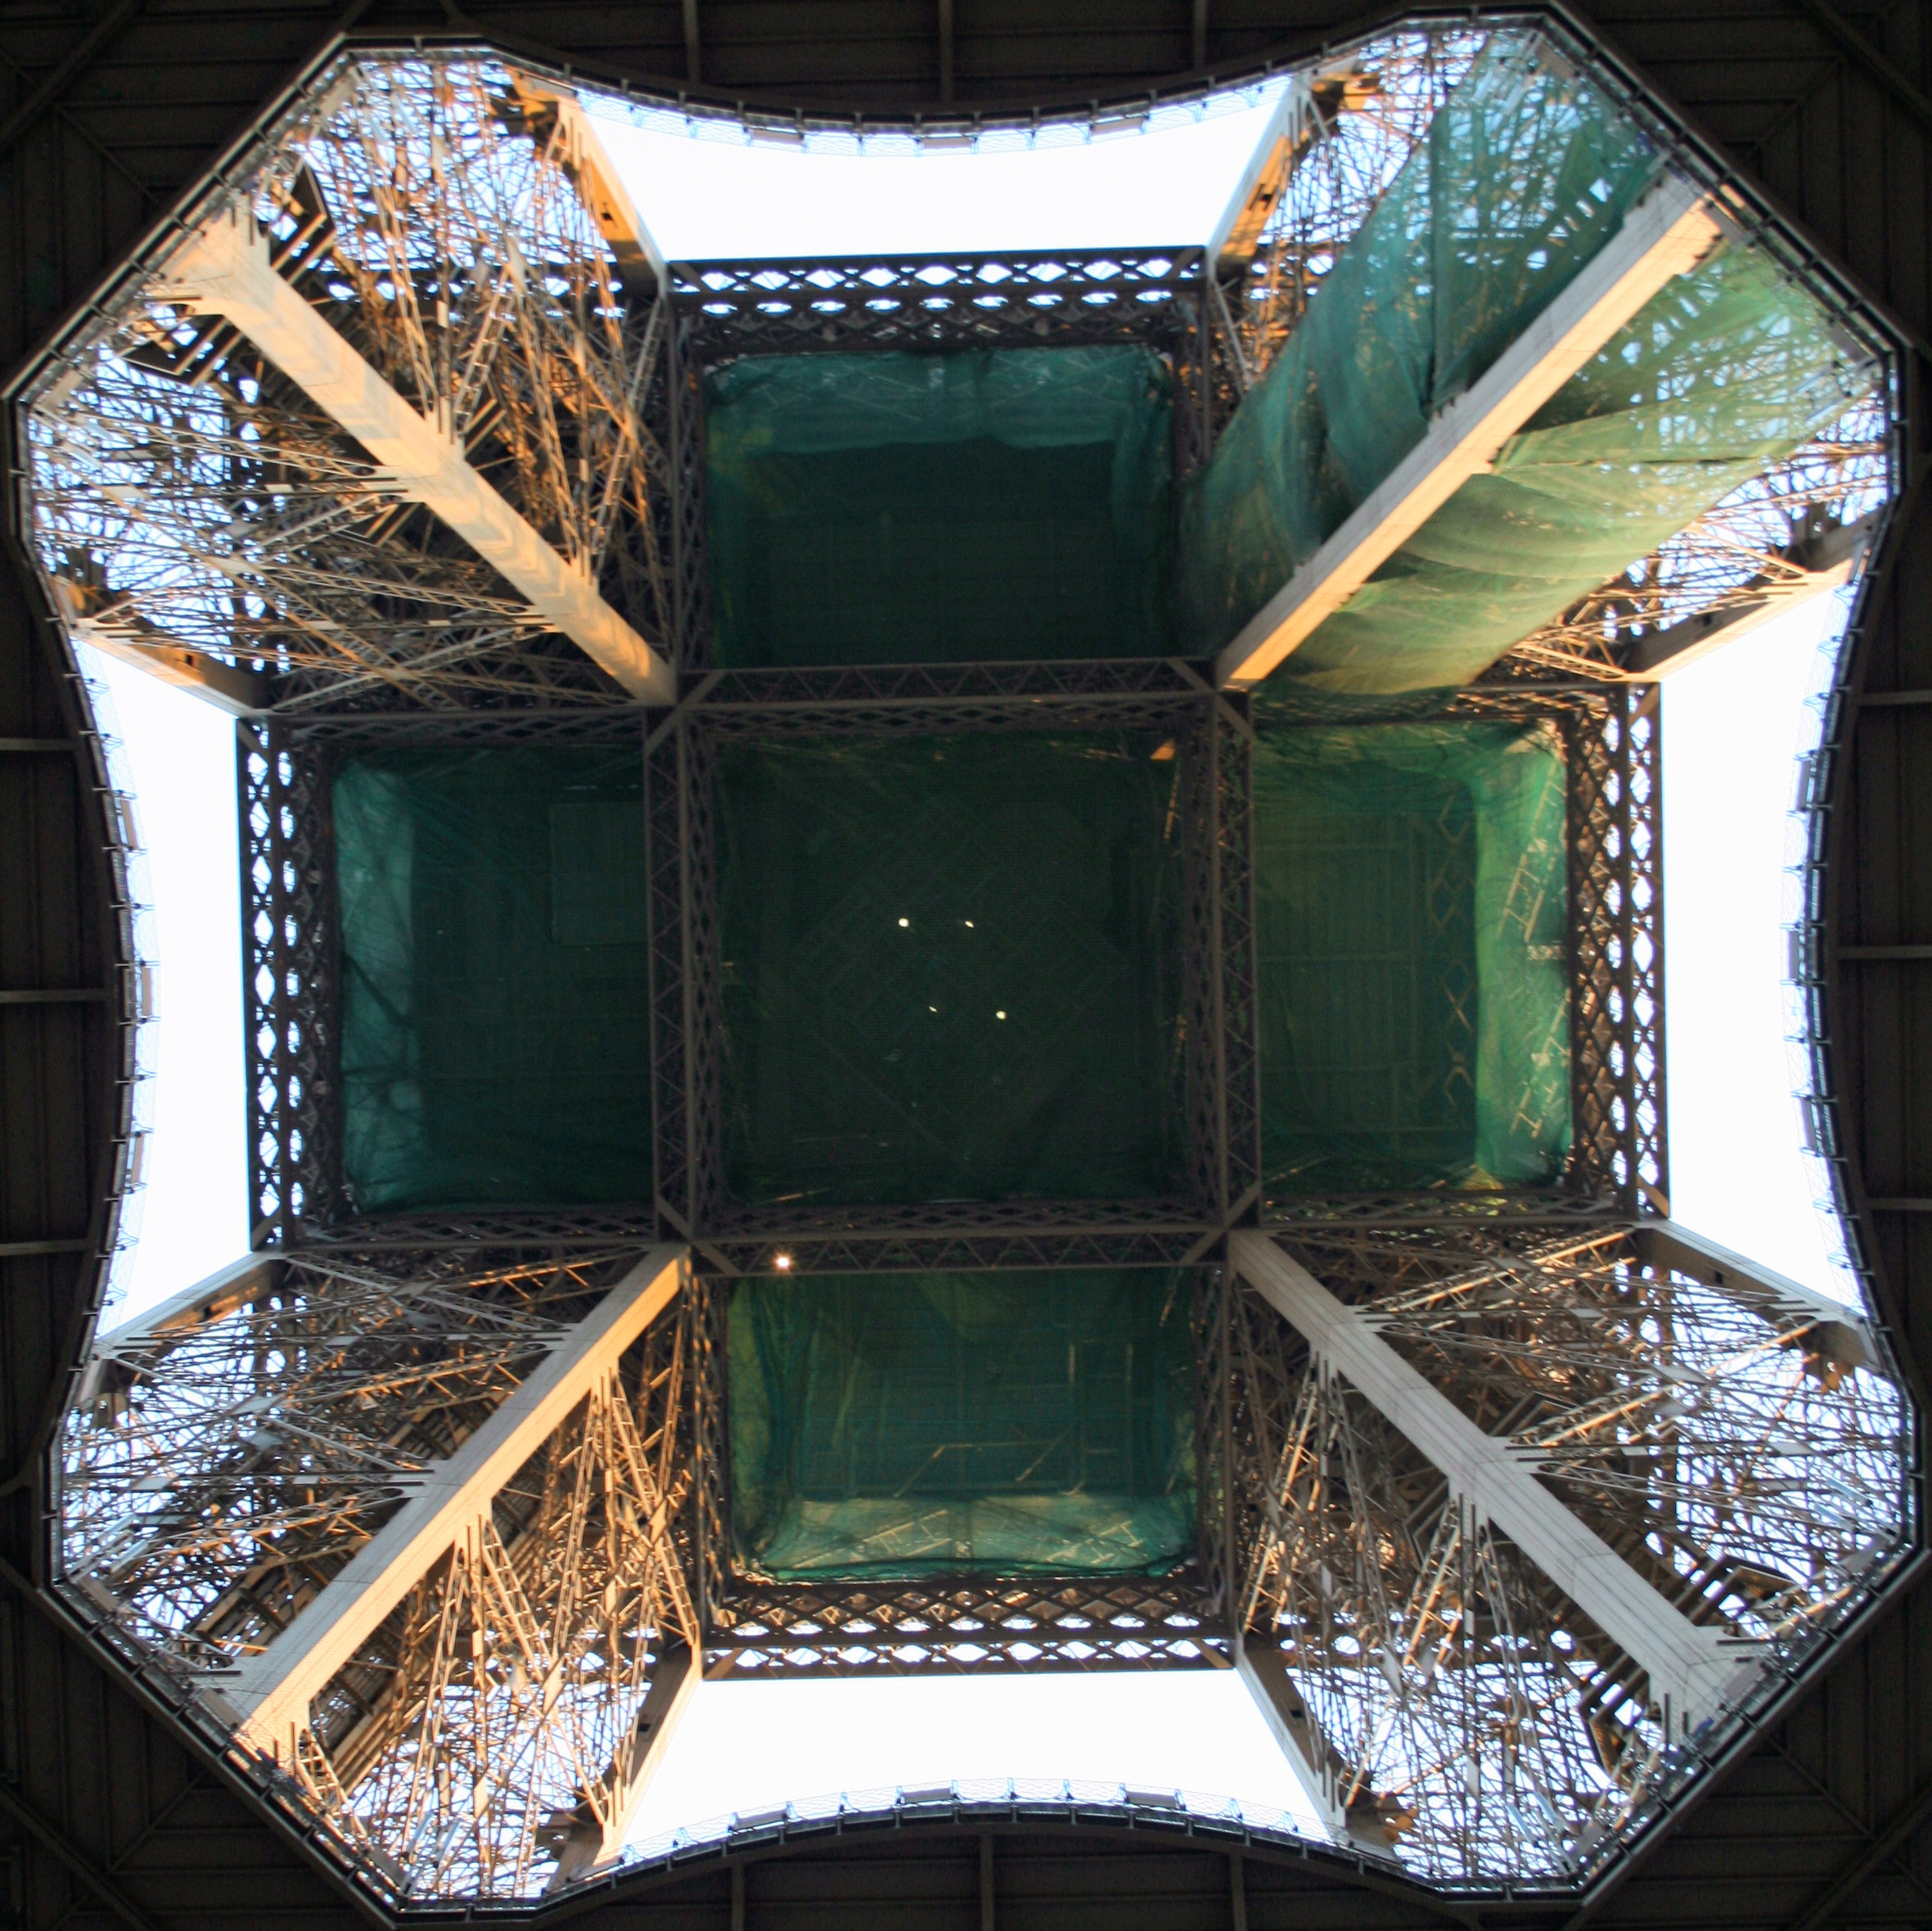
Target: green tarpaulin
903,1426
494,983
1410,889
984,504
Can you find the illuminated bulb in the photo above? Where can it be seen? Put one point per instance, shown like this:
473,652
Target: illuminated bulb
905,921
999,1015
782,1263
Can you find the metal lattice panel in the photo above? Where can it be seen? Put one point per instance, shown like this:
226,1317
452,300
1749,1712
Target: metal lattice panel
1624,1159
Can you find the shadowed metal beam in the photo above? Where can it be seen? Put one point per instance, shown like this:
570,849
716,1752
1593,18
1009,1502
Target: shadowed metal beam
1688,1665
1665,235
1291,1723
272,1694
673,1684
125,636
1824,564
1843,1333
1236,235
225,270
1917,1812
640,262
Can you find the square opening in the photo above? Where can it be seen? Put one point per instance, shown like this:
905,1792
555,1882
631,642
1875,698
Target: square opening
495,977
950,968
1413,978
986,505
903,1426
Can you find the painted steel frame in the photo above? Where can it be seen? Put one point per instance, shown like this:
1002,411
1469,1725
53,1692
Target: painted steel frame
286,767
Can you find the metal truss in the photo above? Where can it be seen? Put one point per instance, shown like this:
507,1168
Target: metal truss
922,301
970,1624
1616,941
1799,528
1460,1710
1342,135
226,1463
184,491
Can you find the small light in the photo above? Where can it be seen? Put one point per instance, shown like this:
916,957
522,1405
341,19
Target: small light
782,1263
999,1015
905,921
932,1008
968,924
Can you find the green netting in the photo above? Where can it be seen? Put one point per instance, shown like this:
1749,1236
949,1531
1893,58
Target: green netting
950,968
494,985
901,508
1525,174
1414,1004
914,1426
1526,171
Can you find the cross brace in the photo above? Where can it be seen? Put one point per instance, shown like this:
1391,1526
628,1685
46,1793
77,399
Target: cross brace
225,270
272,1696
1666,234
1690,1668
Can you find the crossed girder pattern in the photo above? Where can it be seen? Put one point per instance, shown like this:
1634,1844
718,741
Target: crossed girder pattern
185,491
481,1736
226,1464
1746,1460
223,1465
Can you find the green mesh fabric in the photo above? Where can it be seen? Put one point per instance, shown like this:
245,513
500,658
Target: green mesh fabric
1526,172
1729,369
1414,1004
494,985
882,906
908,1426
907,508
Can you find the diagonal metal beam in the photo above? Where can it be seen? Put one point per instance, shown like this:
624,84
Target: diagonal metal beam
271,1696
1665,235
1690,1668
225,270
47,96
1849,41
1917,1810
673,1684
640,262
1823,565
1237,235
1843,1331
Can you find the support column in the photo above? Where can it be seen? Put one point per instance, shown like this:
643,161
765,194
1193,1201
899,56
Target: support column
673,1683
1842,1334
271,1696
225,270
1666,234
1690,1666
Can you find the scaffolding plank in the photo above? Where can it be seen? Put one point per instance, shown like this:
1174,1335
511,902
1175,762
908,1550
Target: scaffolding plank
1665,235
1690,1668
225,270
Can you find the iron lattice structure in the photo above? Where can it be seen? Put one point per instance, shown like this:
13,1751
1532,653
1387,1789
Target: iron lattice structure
223,1470
185,492
1746,1459
227,1463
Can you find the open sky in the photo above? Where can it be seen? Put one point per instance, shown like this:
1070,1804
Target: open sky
1733,725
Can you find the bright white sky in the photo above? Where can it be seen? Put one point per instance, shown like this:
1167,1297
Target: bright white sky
1732,729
